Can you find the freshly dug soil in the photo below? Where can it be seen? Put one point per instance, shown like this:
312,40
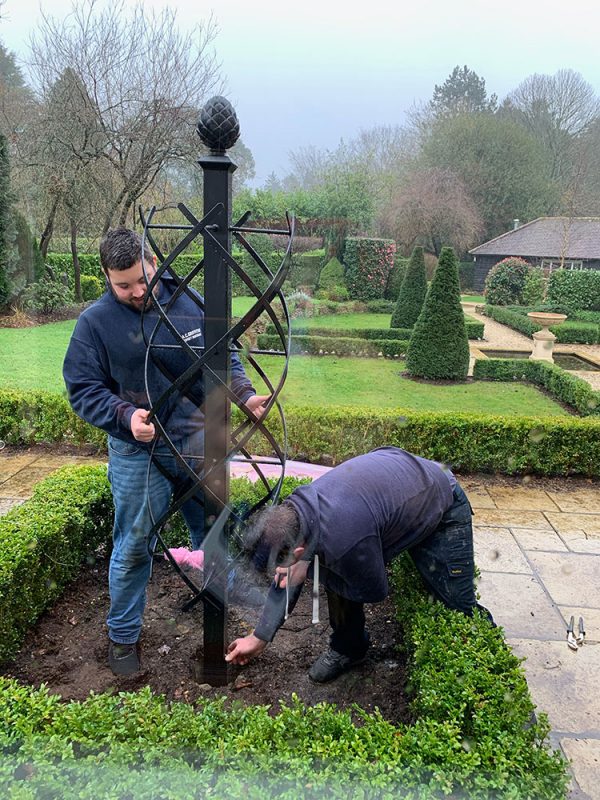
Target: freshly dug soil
67,650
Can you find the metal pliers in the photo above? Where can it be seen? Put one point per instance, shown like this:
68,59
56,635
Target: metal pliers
575,642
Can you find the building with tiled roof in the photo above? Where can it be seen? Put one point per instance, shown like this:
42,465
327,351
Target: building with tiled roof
549,242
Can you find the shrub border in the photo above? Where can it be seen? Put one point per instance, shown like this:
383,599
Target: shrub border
469,442
467,737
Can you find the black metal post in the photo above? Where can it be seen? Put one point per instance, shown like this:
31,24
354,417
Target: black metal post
218,171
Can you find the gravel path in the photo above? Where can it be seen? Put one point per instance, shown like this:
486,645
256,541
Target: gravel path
501,337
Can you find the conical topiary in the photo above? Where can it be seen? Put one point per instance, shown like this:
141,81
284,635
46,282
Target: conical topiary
439,346
412,292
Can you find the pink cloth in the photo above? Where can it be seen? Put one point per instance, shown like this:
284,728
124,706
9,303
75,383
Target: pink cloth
187,558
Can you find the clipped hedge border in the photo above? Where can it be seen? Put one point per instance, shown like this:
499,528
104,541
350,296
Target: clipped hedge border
338,346
474,331
570,332
469,442
473,737
44,541
562,385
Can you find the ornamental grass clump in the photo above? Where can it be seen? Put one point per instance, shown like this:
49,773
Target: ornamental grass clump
412,292
439,347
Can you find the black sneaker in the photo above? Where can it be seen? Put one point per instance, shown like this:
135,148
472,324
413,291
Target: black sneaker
331,665
123,659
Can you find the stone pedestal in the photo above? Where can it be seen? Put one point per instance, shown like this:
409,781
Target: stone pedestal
543,341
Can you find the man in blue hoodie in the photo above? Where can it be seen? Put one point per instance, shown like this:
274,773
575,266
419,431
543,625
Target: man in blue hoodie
104,371
351,522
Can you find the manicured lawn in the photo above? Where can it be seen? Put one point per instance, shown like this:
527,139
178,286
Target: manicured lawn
31,358
377,383
472,298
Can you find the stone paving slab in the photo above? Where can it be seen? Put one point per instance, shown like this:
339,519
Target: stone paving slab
22,484
569,523
525,499
564,684
586,754
570,578
519,604
539,540
478,494
497,551
578,542
512,519
584,500
10,465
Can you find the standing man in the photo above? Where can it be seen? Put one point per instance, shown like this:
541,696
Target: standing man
104,371
352,521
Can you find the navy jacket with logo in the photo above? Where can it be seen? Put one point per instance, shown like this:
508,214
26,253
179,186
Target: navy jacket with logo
104,366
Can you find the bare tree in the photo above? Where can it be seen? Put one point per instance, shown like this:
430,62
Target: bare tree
432,207
557,110
143,82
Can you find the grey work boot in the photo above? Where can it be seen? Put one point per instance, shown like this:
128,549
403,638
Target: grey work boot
123,659
331,665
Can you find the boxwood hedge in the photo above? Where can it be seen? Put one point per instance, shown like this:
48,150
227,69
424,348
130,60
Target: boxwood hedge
472,443
473,736
474,331
563,385
339,346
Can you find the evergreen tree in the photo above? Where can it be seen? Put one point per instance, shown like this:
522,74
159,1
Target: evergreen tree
462,91
412,292
439,346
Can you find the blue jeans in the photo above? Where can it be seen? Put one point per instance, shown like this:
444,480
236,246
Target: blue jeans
139,497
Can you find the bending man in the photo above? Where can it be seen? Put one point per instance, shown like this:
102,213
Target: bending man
356,518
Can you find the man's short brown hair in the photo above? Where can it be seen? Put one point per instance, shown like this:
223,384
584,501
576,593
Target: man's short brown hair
121,248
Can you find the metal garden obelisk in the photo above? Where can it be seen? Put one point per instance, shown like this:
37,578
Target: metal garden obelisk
218,129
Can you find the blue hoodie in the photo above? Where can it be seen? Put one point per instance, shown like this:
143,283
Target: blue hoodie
105,364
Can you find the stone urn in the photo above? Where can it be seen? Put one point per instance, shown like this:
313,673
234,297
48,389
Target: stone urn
543,341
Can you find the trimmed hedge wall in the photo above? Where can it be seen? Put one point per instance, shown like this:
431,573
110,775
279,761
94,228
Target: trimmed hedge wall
579,289
43,543
474,331
468,738
570,332
565,387
471,443
339,346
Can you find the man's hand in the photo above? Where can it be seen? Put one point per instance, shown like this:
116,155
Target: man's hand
257,404
241,651
141,430
296,574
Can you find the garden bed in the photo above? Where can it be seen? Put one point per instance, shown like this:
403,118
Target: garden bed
67,651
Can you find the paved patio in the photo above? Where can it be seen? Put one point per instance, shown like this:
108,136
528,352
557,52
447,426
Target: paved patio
538,549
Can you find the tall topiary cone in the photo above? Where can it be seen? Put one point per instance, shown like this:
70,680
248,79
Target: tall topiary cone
412,292
439,346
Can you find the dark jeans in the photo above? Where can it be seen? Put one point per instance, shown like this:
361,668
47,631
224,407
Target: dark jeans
446,563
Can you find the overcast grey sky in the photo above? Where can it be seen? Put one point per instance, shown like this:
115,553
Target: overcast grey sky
314,72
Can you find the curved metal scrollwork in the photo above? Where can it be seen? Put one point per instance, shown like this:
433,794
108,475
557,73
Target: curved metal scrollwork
196,482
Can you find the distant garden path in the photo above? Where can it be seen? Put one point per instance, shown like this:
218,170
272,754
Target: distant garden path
504,338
